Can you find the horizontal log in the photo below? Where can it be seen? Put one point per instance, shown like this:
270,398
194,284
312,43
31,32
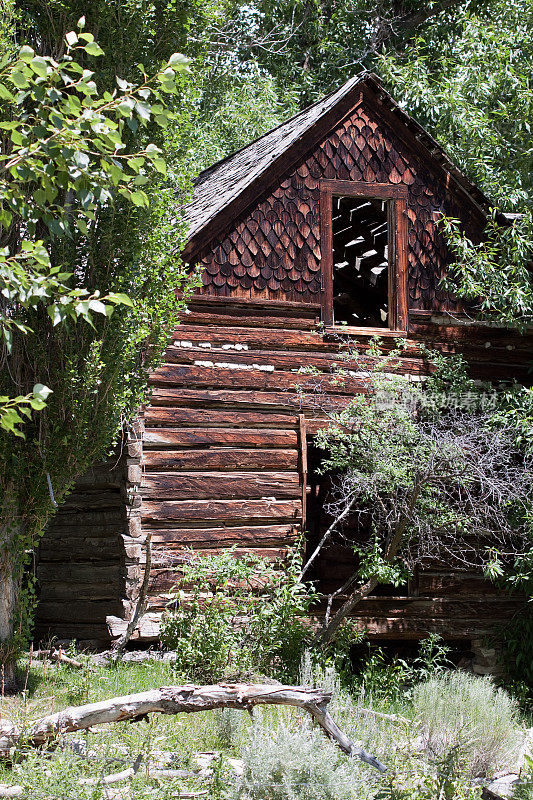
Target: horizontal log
191,437
437,327
100,522
235,418
163,579
220,458
83,611
383,628
178,396
63,591
261,338
287,360
91,550
437,608
185,375
456,585
200,301
182,486
255,319
86,499
232,510
247,536
80,571
93,634
280,339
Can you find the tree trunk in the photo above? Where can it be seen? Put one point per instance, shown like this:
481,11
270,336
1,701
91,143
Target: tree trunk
329,629
8,600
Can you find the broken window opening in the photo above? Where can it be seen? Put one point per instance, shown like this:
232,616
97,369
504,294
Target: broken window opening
360,243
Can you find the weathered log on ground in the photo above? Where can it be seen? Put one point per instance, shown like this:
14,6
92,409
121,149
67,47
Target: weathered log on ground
58,656
188,698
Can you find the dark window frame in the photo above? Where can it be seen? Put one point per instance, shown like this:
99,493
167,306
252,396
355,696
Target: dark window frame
396,198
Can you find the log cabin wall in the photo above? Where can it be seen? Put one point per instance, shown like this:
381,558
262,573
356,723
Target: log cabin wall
225,441
82,560
219,456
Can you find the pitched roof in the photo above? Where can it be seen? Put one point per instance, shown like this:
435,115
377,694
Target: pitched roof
219,185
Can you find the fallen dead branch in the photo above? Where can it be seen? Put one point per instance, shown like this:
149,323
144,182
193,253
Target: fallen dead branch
179,699
57,655
127,774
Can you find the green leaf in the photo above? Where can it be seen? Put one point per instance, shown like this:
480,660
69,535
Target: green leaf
160,165
119,298
41,391
19,80
143,110
139,198
93,49
97,306
39,66
5,94
37,404
26,53
178,61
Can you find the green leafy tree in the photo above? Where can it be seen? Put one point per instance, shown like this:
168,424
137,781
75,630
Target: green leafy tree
75,331
470,85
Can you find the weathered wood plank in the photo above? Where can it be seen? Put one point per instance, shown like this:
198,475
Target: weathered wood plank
83,611
235,418
185,375
262,338
285,360
232,510
215,485
228,304
220,458
90,635
415,629
255,319
58,591
246,437
179,396
280,339
93,549
89,499
247,536
437,608
80,571
457,585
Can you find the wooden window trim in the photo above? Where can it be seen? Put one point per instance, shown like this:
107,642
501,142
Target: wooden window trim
396,196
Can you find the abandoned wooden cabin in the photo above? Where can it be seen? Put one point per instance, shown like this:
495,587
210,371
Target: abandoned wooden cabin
330,218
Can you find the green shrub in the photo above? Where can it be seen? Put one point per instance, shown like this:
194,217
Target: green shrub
384,677
469,717
237,616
